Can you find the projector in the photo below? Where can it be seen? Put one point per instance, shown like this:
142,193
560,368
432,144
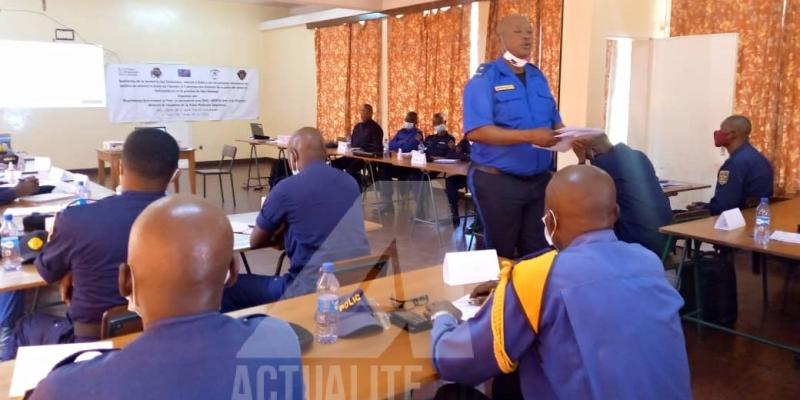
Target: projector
113,145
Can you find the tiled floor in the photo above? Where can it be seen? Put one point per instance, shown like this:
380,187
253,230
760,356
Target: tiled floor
722,366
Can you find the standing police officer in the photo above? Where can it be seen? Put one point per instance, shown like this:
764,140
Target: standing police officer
507,108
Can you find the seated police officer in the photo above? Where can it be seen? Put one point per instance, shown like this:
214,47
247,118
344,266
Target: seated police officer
746,176
179,259
643,207
406,139
12,303
595,318
315,214
441,142
368,136
89,241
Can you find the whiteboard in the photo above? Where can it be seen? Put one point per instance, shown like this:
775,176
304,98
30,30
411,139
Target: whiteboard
690,89
51,75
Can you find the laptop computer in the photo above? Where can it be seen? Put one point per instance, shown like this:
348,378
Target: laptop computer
257,131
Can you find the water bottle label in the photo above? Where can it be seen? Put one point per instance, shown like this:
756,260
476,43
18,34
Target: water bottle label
327,305
8,245
762,219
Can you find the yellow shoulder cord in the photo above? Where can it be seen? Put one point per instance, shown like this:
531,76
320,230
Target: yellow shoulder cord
498,332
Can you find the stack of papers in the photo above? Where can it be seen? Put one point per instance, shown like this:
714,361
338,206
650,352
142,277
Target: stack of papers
787,237
568,135
240,227
466,267
468,310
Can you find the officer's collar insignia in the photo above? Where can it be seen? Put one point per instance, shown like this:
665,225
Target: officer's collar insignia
723,176
481,69
502,88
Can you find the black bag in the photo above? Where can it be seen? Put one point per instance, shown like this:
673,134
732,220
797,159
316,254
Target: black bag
718,287
279,171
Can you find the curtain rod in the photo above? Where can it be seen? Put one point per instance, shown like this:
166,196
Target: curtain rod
387,13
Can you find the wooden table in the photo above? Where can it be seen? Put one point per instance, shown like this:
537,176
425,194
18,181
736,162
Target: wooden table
378,366
673,188
785,217
113,158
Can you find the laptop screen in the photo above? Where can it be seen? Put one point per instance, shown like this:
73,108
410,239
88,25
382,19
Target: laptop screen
256,130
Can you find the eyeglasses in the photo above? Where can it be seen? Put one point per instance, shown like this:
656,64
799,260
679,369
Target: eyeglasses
416,302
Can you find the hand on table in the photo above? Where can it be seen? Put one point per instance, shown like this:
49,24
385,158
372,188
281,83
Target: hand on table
27,187
482,292
698,205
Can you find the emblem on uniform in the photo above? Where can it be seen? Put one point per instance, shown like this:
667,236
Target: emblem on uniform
723,176
502,88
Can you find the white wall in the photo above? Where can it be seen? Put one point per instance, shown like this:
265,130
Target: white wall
199,32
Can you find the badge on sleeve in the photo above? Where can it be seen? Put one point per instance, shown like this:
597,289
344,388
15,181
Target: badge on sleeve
503,88
722,177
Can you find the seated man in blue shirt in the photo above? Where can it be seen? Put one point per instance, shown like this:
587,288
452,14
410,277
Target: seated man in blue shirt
315,214
12,303
90,241
595,318
180,252
745,177
407,139
643,207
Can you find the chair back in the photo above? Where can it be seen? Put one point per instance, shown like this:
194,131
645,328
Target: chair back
366,268
228,157
118,321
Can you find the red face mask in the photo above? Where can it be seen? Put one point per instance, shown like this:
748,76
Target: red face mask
721,138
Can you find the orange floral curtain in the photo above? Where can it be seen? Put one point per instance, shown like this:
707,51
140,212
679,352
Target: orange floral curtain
365,68
546,18
332,48
430,68
766,79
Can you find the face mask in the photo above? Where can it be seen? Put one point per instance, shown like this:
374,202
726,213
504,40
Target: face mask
547,234
721,138
514,60
118,190
132,298
439,128
408,125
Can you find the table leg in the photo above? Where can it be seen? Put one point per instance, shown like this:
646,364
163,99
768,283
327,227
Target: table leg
763,262
114,173
101,171
192,181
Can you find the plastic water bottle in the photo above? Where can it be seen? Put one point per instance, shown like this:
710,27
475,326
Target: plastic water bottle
421,147
11,174
9,243
327,305
761,232
386,151
83,193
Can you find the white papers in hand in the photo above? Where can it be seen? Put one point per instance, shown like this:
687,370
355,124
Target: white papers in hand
787,237
730,220
466,267
568,135
467,309
35,362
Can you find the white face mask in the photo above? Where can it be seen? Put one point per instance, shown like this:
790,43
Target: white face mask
132,298
408,125
439,128
514,60
547,234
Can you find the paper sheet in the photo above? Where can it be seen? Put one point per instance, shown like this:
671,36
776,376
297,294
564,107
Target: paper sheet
241,227
25,211
467,310
46,197
568,135
35,362
787,237
466,267
730,220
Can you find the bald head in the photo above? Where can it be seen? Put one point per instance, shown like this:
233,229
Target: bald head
738,124
583,199
306,146
179,254
516,35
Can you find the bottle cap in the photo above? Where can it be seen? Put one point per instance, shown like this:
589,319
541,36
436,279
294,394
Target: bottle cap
327,267
764,199
81,183
8,217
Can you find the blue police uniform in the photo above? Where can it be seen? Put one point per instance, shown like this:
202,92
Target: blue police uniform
596,320
745,176
406,140
90,241
367,136
439,145
321,208
643,207
204,356
11,303
511,203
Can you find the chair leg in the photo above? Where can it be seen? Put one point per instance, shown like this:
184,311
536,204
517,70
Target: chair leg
204,186
221,192
233,191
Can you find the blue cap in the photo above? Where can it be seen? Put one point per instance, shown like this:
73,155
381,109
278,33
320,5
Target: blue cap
327,267
8,217
355,316
81,183
764,199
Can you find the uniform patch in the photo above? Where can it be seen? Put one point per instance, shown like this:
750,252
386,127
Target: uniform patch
502,88
481,69
722,177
